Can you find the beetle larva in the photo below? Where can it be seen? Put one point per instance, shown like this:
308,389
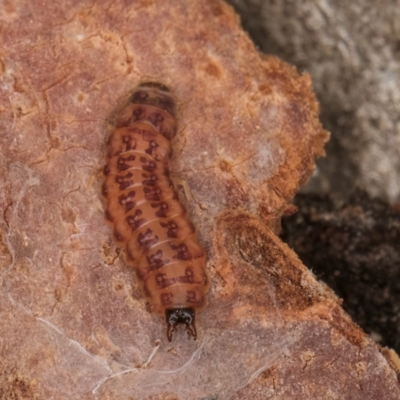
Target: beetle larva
148,218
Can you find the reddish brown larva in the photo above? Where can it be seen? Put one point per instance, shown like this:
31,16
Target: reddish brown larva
142,205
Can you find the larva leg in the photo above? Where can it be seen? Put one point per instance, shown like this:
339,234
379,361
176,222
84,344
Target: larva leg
177,316
186,189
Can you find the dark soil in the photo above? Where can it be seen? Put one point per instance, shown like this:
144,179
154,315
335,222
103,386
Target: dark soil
353,246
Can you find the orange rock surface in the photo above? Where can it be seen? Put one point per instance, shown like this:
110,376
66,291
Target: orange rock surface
75,323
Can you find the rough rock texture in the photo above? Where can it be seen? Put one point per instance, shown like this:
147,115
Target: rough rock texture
351,49
75,323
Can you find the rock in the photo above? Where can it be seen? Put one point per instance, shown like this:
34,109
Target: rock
75,321
351,51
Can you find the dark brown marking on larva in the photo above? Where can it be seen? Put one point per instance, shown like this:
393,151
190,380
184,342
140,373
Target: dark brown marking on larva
147,239
160,241
172,228
126,200
135,220
150,179
152,194
166,300
156,261
125,162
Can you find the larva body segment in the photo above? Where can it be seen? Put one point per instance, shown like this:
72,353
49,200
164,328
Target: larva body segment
147,216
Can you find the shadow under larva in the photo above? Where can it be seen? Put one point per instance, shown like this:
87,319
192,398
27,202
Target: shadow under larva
144,209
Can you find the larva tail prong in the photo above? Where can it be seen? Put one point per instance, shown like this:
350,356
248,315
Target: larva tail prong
170,329
177,316
191,329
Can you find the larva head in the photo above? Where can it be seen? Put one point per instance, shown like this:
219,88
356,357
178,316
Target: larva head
151,103
177,316
154,94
